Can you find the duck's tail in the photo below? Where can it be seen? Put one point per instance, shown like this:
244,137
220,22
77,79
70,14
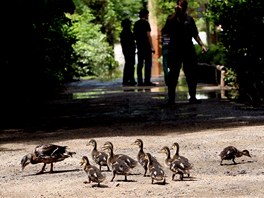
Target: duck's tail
71,153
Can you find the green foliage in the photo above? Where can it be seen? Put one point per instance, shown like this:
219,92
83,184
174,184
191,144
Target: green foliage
216,55
166,7
242,36
95,55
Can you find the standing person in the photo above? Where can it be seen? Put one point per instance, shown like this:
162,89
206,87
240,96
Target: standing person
181,29
129,51
165,39
144,48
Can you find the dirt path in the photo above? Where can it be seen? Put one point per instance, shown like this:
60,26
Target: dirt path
208,178
121,115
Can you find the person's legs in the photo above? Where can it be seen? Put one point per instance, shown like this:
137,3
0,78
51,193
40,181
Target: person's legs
190,70
174,64
165,64
140,67
131,69
126,71
148,66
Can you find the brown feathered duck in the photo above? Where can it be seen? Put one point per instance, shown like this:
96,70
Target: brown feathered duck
99,157
231,152
168,158
179,167
183,159
93,173
46,154
156,172
118,166
127,159
141,156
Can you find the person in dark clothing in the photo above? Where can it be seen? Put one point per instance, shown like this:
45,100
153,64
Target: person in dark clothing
165,40
144,48
129,51
181,29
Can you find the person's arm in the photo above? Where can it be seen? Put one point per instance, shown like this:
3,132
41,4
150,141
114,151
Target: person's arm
199,41
150,42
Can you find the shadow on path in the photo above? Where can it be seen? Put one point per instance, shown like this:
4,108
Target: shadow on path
87,105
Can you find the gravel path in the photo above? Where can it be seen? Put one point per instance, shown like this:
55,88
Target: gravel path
121,115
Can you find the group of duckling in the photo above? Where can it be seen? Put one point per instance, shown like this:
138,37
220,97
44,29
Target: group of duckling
122,164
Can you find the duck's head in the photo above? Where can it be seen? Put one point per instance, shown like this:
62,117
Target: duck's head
246,153
138,142
91,142
25,161
107,148
108,144
175,145
165,150
84,160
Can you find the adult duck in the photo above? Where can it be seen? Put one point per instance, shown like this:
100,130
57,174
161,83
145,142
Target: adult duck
46,154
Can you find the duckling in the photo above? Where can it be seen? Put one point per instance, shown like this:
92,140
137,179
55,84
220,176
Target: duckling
230,153
99,157
183,159
156,172
178,167
168,158
141,156
176,146
130,161
47,154
93,173
119,167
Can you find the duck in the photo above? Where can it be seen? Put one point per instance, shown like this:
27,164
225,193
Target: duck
94,174
178,166
132,163
156,172
46,154
183,159
99,157
231,152
141,156
118,166
168,158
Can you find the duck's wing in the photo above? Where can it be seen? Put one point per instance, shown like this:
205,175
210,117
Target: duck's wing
120,167
50,150
179,166
95,174
157,172
101,158
128,160
228,152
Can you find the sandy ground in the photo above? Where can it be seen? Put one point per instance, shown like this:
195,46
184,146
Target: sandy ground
208,178
121,117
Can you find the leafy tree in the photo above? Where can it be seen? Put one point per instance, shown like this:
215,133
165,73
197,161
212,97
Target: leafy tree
95,55
242,36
